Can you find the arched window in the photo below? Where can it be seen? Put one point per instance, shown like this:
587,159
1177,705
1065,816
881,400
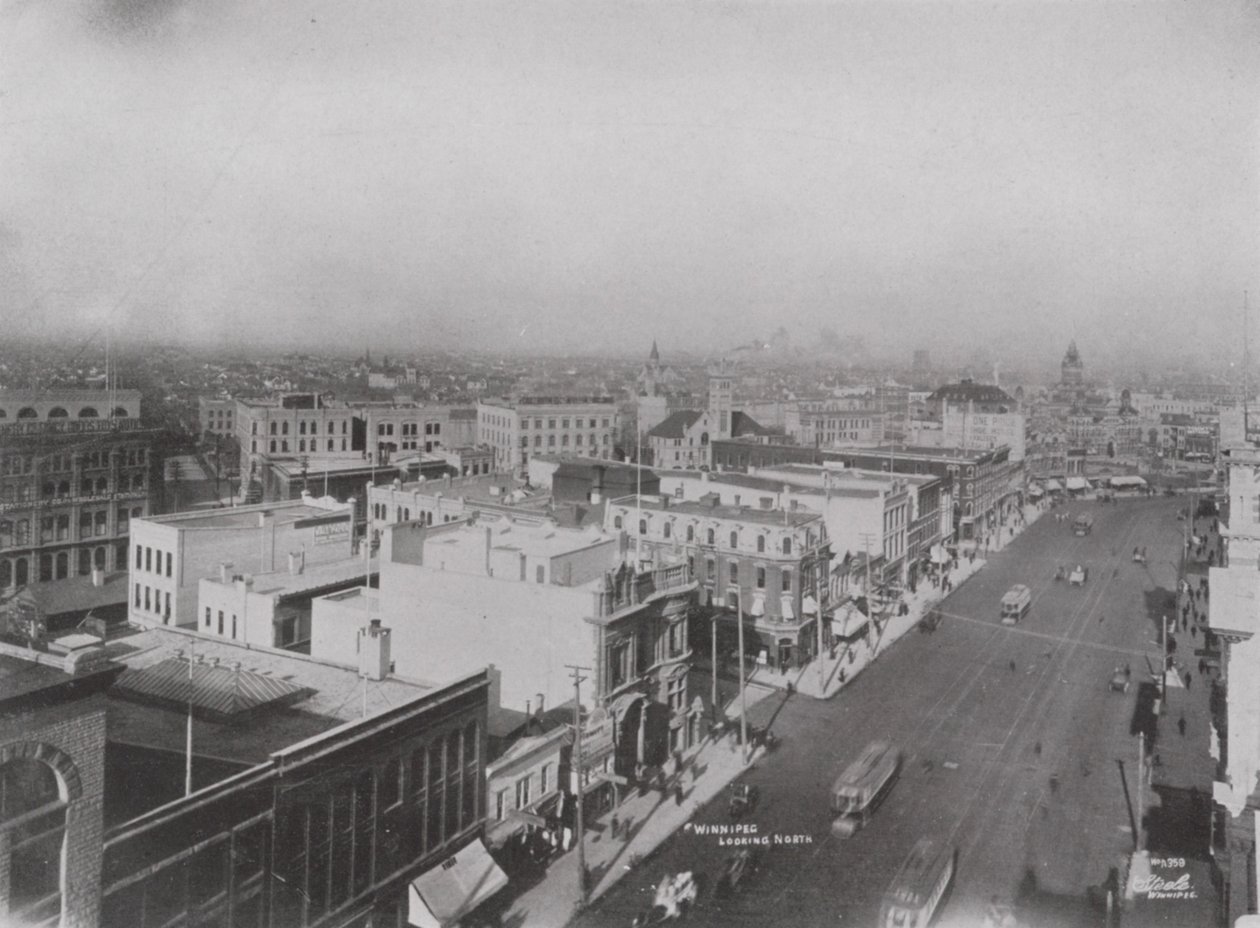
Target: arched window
617,522
45,568
119,413
31,792
691,533
27,412
63,565
761,543
643,526
102,486
734,539
668,529
85,561
787,545
704,438
98,558
284,427
6,575
88,412
58,412
712,537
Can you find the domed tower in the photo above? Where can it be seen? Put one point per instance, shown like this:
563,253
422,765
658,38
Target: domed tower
1072,367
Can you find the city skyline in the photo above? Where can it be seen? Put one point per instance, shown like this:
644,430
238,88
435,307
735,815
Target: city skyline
578,179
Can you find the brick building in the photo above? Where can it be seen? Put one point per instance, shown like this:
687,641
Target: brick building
52,785
76,469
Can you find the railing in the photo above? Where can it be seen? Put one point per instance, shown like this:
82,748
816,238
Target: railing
641,587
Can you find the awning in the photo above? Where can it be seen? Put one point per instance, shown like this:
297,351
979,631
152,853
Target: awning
940,555
1077,483
758,605
1035,490
445,893
1053,485
1132,481
789,614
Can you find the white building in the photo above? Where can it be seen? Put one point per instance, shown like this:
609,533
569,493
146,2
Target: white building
518,428
171,554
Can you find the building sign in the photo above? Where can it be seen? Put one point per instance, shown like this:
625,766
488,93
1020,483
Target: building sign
597,736
331,533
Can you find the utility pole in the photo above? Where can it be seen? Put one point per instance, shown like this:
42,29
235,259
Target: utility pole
713,666
818,619
870,599
1139,838
188,737
1163,681
743,714
577,754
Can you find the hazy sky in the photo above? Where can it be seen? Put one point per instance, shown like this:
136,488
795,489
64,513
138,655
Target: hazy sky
592,174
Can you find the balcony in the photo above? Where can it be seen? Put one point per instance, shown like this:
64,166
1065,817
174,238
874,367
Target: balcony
624,589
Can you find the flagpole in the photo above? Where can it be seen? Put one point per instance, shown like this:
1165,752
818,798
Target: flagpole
638,492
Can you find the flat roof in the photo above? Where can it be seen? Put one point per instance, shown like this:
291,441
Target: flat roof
741,513
313,577
284,512
333,695
775,485
541,539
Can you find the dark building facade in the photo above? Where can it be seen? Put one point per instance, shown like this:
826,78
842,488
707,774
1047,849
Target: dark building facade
75,468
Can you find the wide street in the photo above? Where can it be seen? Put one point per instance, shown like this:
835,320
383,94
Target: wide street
1015,749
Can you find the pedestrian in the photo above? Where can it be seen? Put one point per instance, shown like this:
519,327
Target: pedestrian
1128,671
678,795
616,826
1181,726
1187,679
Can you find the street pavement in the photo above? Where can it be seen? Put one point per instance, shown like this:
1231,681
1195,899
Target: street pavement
1015,748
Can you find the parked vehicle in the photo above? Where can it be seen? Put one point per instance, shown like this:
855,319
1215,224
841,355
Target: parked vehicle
1078,576
1015,604
1119,681
916,891
858,791
744,799
674,896
1139,556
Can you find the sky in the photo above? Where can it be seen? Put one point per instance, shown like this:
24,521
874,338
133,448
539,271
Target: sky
590,176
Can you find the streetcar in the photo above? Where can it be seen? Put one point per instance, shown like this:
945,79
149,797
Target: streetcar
1083,525
916,891
863,785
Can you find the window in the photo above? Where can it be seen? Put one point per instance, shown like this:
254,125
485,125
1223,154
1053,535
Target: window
691,533
137,596
166,613
667,529
29,791
500,805
643,526
390,792
711,537
148,602
220,621
207,616
522,792
710,569
734,539
761,543
168,563
734,572
148,559
787,545
617,522
545,779
787,581
761,578
619,664
540,574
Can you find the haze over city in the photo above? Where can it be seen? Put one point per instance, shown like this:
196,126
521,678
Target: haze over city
562,176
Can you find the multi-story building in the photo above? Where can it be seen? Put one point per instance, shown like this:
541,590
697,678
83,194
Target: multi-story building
217,416
831,421
1234,617
527,425
768,567
529,597
173,553
682,440
982,484
52,778
450,499
322,793
76,469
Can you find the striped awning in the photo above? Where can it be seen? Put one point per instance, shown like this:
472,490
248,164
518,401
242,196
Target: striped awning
216,690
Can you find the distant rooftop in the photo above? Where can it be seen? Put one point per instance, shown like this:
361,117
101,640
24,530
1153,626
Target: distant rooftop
312,578
719,511
542,538
75,594
283,512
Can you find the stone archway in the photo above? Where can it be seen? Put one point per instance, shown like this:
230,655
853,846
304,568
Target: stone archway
67,772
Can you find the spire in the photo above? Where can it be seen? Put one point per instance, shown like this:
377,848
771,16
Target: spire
655,356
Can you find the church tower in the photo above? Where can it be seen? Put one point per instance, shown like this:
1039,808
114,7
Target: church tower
721,398
1073,370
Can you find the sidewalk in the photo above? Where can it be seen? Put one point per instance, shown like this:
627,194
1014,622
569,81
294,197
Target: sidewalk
647,819
853,659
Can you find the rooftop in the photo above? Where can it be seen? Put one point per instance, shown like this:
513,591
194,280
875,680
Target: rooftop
715,510
283,512
295,696
312,578
540,538
76,594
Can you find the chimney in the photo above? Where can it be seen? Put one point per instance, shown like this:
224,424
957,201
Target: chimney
295,563
397,484
98,577
529,708
225,573
539,699
236,666
213,662
374,651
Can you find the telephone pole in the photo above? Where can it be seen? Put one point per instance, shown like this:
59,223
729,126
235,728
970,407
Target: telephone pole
578,679
818,620
867,538
743,713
